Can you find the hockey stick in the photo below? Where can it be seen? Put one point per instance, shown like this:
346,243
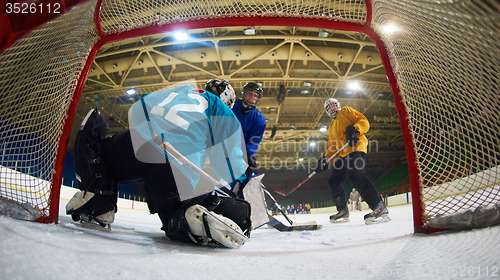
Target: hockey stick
276,204
283,193
183,160
282,227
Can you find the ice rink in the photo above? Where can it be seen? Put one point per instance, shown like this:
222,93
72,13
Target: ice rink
337,251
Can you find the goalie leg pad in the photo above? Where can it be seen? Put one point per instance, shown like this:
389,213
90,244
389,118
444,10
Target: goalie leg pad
236,211
97,200
209,225
92,172
79,199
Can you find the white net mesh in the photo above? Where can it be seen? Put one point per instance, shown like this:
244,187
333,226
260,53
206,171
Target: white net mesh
38,75
118,16
447,59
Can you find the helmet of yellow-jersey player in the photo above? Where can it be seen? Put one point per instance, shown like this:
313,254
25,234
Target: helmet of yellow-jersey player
332,107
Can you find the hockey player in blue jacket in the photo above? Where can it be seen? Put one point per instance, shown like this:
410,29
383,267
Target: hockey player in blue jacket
253,122
198,125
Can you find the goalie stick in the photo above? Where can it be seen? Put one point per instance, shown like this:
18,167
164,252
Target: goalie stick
283,193
282,227
183,160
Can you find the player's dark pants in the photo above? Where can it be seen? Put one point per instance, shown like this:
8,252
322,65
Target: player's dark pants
159,182
352,167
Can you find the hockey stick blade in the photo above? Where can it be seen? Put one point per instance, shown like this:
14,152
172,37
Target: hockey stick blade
282,227
279,191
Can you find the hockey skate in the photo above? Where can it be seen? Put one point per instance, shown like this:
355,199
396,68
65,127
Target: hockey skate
379,215
84,205
209,225
341,217
101,222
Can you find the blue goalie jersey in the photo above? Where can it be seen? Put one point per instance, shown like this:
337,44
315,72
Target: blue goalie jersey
199,126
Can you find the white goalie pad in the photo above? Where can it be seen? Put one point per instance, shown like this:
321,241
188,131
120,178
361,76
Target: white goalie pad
223,230
252,192
78,200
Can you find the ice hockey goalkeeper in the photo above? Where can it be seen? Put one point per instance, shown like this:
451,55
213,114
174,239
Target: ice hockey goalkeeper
200,126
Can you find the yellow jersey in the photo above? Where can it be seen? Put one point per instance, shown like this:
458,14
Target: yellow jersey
336,132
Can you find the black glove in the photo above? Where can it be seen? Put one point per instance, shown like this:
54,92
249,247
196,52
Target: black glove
322,164
252,166
351,135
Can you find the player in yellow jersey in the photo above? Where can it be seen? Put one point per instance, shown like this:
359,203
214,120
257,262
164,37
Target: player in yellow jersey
349,126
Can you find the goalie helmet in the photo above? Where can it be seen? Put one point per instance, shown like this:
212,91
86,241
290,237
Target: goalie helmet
332,107
251,87
223,90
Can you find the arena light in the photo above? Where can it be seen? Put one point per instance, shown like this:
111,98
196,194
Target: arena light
249,31
323,34
131,91
181,35
307,84
322,129
354,85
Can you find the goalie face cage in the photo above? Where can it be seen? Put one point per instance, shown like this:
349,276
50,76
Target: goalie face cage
442,66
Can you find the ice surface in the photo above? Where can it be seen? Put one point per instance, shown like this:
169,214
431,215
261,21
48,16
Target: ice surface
351,250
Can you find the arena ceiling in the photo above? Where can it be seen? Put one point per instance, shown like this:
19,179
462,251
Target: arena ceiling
313,64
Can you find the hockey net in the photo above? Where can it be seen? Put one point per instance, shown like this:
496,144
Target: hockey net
442,64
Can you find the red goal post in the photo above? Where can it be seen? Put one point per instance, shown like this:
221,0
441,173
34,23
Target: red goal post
442,65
